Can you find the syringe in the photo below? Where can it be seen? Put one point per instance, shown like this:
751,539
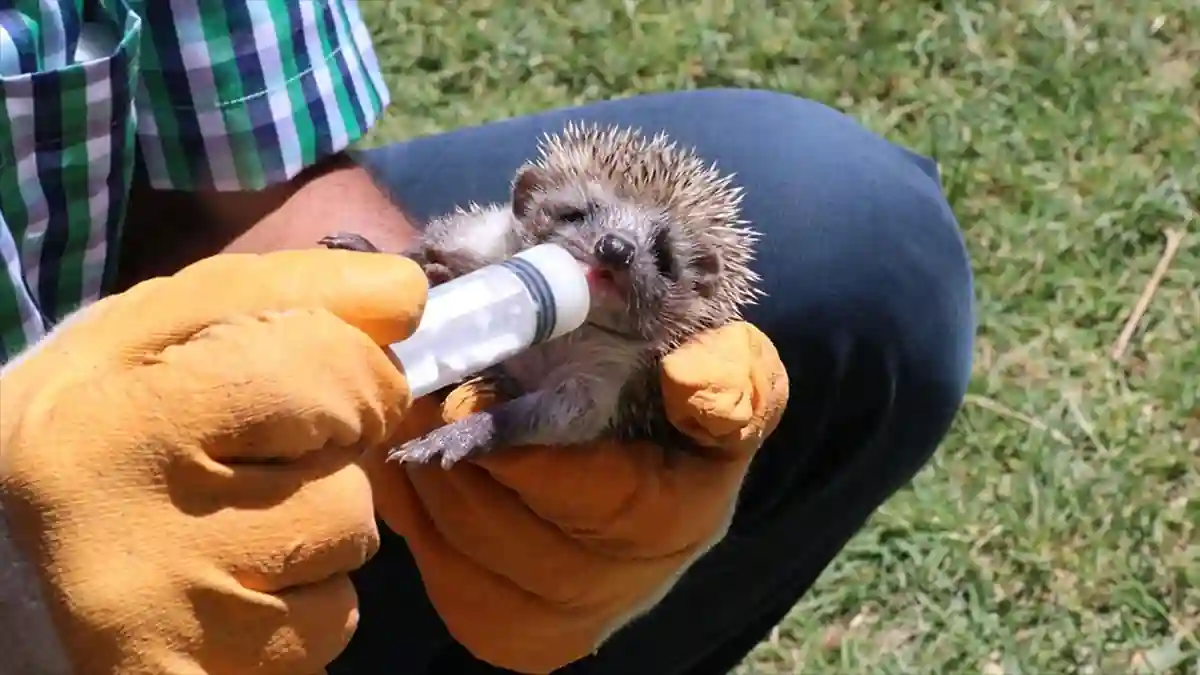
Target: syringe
483,318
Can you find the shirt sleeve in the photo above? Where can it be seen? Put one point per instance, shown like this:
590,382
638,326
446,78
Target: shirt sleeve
243,94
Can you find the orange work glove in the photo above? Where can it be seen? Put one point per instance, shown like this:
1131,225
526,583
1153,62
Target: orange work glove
534,556
178,463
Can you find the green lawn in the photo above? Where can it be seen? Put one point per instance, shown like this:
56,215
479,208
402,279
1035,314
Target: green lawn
1058,531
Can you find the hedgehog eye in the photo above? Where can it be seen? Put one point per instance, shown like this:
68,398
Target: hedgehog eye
573,215
662,254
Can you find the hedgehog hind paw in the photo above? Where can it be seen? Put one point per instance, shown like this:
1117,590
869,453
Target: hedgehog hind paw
451,444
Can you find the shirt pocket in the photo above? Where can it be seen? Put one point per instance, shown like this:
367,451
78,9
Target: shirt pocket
66,154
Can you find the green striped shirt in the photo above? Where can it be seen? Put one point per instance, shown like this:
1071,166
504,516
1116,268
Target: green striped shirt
212,94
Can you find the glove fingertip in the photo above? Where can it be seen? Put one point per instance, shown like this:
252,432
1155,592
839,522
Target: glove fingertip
382,295
774,388
710,387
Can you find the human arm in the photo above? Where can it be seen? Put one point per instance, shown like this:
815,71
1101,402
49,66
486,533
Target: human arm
195,183
290,215
182,477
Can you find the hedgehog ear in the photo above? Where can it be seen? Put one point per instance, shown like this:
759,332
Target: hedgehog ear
706,268
529,181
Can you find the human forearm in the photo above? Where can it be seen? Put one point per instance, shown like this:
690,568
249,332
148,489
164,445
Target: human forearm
221,139
167,230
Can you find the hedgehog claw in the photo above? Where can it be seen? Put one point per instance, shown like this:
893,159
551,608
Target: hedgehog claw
348,241
452,444
414,452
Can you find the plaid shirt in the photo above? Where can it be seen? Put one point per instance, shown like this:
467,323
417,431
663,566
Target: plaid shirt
217,94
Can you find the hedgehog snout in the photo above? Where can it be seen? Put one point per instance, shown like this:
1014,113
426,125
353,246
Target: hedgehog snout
614,251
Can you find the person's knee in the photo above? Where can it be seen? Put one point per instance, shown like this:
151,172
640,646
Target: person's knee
859,240
869,301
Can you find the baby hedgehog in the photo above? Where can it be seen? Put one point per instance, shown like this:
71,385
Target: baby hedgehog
668,256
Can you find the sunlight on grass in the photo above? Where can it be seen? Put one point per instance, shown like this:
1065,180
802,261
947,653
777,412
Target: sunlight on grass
1057,532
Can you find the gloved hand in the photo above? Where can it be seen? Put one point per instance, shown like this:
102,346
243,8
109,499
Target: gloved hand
179,461
534,556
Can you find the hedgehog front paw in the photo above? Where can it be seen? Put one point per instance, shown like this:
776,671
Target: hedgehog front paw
437,273
464,439
348,241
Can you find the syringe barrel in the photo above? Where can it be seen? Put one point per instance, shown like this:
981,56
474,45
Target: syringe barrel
487,316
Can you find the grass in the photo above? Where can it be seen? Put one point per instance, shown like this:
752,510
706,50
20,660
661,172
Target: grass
1059,529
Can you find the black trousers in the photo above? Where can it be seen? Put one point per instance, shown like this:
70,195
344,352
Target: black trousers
869,303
